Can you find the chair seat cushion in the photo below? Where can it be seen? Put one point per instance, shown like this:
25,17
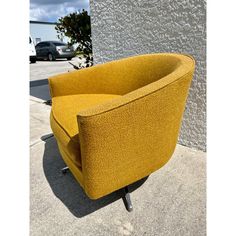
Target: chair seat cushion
64,120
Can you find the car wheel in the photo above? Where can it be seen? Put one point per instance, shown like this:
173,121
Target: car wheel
69,58
32,60
51,57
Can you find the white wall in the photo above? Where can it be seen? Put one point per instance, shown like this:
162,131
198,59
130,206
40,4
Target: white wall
45,32
123,28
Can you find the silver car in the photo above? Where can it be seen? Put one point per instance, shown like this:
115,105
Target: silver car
51,50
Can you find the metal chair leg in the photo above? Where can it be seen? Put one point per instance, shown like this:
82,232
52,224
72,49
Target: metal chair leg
127,200
65,170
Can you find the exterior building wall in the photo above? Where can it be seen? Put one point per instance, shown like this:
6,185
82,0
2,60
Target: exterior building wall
124,28
44,31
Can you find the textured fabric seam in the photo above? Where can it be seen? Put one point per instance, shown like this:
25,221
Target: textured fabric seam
62,127
68,156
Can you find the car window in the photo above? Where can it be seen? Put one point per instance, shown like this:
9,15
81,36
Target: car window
38,45
42,44
30,40
59,44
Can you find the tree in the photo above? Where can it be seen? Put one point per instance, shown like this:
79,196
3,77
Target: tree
77,27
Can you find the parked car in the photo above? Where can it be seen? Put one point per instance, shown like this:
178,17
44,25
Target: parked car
51,50
32,51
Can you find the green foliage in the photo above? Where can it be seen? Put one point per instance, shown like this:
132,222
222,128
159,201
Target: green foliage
77,27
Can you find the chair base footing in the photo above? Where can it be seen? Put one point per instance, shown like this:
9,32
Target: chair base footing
65,170
125,196
127,200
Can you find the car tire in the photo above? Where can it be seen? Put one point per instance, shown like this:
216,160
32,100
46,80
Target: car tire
69,58
33,61
51,57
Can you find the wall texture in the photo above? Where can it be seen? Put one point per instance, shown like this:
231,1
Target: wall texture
123,28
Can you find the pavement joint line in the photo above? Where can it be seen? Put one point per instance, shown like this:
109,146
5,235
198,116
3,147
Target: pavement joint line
39,82
47,136
38,100
43,139
36,142
45,102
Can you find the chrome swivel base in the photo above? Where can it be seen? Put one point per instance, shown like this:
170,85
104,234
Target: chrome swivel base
65,170
125,194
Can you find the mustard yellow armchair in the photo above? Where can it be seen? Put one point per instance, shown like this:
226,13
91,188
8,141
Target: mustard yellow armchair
118,122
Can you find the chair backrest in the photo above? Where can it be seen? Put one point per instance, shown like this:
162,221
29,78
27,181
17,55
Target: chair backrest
125,75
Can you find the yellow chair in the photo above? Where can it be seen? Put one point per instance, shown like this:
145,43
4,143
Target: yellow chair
118,122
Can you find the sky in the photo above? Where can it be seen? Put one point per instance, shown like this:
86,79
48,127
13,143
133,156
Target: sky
51,10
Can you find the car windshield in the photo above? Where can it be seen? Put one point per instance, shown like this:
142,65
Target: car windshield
59,44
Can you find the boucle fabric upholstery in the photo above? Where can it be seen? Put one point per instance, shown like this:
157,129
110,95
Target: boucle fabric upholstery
64,124
127,137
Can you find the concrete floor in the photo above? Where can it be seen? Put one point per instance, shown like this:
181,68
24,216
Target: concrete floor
171,201
44,69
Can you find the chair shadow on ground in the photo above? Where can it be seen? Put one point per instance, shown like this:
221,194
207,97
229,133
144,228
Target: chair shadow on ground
68,190
40,89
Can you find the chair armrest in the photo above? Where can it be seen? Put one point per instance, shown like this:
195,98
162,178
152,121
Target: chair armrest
74,82
129,137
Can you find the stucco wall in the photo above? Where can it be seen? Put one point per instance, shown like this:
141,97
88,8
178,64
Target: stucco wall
123,28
